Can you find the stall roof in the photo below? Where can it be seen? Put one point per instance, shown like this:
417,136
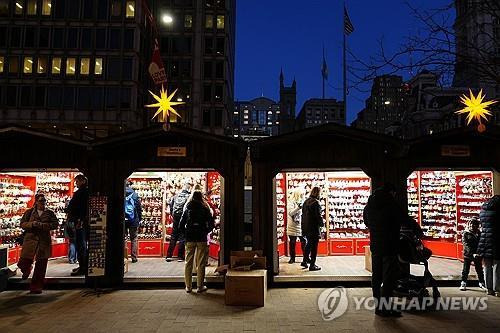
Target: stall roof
492,133
12,130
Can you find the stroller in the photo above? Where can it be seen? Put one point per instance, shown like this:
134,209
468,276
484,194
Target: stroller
413,252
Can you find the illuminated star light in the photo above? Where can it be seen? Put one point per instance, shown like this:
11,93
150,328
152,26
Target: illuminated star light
164,105
476,108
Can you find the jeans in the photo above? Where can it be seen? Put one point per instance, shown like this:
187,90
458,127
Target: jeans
175,237
81,249
200,248
311,248
385,272
477,265
38,279
492,274
293,241
132,231
72,253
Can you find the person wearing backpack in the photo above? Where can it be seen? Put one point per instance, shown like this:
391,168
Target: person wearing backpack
176,209
196,222
133,216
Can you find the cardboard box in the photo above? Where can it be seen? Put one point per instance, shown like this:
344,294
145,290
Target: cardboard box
251,254
246,288
368,259
251,262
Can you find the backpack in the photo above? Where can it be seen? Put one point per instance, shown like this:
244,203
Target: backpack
130,207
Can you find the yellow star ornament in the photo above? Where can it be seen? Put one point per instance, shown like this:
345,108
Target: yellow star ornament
476,108
165,105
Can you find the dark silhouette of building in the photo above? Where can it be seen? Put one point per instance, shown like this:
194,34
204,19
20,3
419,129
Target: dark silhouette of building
317,111
197,42
288,103
256,118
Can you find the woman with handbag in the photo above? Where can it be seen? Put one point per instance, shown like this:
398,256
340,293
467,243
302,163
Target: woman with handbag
37,223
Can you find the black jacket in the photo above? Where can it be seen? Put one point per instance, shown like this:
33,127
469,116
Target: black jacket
78,207
470,241
196,222
384,218
138,207
489,243
312,221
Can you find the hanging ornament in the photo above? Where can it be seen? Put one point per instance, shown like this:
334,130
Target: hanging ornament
475,108
165,105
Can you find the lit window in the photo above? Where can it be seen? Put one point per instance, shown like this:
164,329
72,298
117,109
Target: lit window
19,7
32,7
1,64
130,13
209,21
46,7
70,66
116,8
56,66
85,66
42,65
245,122
188,21
4,7
28,65
220,21
98,66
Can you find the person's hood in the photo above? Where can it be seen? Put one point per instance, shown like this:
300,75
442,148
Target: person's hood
129,191
493,204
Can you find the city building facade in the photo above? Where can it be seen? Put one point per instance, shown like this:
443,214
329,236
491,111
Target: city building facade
256,118
288,104
317,111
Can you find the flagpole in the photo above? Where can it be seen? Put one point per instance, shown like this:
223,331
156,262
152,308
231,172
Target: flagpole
323,73
345,63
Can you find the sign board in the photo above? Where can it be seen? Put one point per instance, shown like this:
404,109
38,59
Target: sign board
455,151
172,152
98,211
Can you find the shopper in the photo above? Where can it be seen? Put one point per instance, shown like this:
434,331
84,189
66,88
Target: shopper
70,235
37,222
196,222
489,244
293,225
470,240
77,211
312,222
176,209
384,218
133,217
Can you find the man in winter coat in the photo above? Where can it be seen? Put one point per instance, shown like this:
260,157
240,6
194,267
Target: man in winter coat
133,217
37,223
312,222
176,209
196,222
384,218
489,244
470,240
77,211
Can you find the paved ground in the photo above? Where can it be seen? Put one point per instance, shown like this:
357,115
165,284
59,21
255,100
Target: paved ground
175,311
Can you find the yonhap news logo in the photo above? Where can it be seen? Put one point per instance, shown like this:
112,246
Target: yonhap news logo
333,303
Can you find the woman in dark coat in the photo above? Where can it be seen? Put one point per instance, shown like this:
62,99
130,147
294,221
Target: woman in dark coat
489,244
37,222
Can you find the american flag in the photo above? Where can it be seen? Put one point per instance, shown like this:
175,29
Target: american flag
348,27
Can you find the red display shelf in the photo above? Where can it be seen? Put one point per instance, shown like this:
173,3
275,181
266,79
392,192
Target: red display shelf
442,248
13,255
360,246
323,248
60,250
213,251
281,249
460,251
165,249
342,247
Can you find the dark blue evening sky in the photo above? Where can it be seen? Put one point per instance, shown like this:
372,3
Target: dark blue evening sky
290,33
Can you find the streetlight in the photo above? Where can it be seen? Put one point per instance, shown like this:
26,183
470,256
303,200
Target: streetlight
167,19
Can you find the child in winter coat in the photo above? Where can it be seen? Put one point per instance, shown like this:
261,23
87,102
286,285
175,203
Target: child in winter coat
470,240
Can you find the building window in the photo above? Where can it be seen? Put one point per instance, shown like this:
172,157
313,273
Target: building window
220,46
206,117
218,117
42,65
116,8
220,21
1,64
43,37
19,7
207,93
4,7
28,65
209,21
219,93
188,21
207,70
29,37
70,66
98,66
46,7
219,70
15,37
31,7
209,45
85,66
130,10
56,66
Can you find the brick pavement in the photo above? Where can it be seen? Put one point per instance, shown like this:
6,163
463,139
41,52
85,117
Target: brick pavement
287,310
